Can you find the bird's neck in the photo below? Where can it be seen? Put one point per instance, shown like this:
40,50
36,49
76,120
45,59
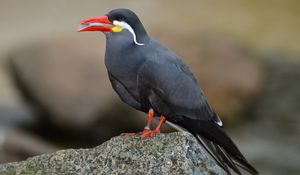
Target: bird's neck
141,34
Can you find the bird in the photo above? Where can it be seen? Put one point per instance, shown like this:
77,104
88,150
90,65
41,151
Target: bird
151,78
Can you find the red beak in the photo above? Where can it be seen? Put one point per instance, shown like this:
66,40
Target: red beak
101,23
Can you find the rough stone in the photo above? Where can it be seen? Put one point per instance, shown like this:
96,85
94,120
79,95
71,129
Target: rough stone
174,153
274,134
13,111
17,144
67,83
63,78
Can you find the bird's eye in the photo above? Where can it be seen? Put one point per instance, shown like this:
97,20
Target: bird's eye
121,18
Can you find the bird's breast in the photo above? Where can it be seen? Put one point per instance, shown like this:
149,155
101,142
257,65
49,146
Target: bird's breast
124,67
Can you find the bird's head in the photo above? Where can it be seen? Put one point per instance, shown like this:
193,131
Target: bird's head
116,21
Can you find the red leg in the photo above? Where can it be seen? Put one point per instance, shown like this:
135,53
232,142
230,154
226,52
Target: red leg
150,119
149,122
151,133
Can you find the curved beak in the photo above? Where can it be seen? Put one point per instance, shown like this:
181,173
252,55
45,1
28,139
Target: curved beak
100,23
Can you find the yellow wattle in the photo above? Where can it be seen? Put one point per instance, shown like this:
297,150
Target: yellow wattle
117,28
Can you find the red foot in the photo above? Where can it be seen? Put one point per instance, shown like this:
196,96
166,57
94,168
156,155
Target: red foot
137,133
149,133
131,134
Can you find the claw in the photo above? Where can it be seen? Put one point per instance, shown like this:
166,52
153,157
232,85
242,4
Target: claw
137,133
130,134
149,133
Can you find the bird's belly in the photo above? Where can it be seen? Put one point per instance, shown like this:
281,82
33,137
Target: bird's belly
130,84
139,93
133,90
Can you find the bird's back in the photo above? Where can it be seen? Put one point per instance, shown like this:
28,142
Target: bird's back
170,86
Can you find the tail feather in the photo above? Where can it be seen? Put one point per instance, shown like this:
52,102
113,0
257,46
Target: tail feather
209,147
216,142
223,158
246,166
227,159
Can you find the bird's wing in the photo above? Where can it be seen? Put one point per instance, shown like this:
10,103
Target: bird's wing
173,88
173,91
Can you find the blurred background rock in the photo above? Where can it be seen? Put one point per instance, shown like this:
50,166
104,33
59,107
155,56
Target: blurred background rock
55,94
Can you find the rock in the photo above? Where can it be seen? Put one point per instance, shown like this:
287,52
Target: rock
66,81
282,95
271,140
13,111
17,144
175,153
63,78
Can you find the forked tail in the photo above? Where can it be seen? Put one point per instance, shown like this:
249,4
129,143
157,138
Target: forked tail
216,142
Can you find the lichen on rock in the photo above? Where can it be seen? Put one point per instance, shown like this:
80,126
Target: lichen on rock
174,153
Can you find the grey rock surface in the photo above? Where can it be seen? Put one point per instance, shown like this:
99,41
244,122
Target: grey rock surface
64,80
15,144
174,153
274,134
67,83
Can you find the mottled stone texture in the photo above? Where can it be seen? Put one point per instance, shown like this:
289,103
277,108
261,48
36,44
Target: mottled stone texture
174,153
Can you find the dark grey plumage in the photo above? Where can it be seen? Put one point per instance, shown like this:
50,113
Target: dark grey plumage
151,76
